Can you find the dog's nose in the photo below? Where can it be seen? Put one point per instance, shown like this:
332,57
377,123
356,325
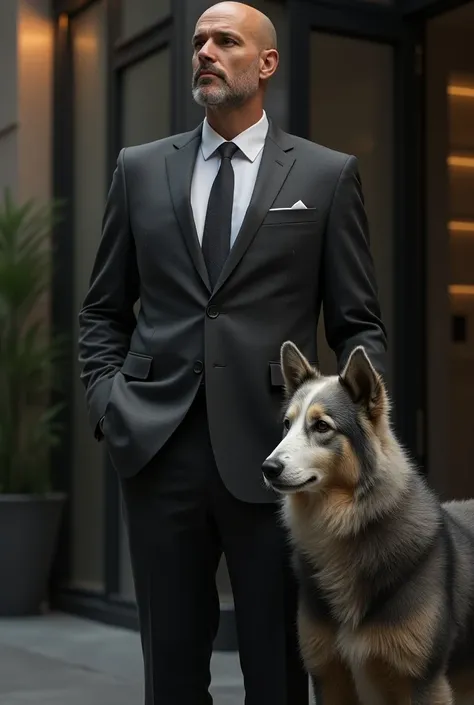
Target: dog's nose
272,468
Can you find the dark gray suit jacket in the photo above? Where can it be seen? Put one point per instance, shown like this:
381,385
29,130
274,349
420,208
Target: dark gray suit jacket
142,374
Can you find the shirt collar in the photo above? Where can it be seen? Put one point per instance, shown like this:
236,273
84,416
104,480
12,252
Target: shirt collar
250,141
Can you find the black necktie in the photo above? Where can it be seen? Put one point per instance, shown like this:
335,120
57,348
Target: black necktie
217,228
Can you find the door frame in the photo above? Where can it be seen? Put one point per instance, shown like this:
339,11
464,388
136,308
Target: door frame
419,13
437,303
384,24
429,8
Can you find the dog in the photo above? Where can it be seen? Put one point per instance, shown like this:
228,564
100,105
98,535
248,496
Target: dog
385,569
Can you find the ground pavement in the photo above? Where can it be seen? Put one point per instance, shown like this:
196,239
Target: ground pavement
58,659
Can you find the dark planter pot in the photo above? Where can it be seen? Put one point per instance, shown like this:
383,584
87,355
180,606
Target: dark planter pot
29,526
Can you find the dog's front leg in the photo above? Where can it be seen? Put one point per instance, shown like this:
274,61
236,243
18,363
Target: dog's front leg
333,683
379,684
437,693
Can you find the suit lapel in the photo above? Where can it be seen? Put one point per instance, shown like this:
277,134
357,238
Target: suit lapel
277,160
180,166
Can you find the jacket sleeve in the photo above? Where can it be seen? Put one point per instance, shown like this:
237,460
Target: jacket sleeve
107,318
350,302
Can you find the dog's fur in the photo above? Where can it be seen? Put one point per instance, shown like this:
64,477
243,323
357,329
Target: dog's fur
386,572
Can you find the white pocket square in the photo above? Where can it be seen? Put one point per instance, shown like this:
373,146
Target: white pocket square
296,206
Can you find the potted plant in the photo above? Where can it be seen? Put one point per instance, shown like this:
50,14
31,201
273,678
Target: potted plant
30,511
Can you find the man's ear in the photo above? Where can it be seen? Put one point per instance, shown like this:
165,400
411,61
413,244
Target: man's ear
269,61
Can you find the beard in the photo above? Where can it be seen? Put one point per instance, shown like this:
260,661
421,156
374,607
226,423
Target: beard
222,92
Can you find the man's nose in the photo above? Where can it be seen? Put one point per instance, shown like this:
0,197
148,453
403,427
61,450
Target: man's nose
205,53
272,468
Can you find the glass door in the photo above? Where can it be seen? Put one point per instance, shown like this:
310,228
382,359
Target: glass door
358,64
351,110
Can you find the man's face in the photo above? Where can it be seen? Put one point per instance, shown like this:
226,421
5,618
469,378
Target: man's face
226,59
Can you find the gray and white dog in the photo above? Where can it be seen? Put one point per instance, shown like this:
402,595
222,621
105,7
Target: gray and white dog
386,571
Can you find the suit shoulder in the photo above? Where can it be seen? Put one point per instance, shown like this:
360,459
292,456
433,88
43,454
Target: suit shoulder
139,152
324,155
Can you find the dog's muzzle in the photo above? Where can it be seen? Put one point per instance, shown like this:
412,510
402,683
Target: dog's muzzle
272,468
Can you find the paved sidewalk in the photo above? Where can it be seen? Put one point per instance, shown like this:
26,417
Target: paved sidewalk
62,660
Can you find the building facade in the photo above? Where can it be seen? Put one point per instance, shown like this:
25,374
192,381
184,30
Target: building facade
384,80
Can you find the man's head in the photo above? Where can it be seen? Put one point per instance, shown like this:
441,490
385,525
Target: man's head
234,55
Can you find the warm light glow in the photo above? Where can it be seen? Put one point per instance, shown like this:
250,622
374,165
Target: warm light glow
456,160
461,91
63,21
462,226
35,36
86,44
34,41
461,290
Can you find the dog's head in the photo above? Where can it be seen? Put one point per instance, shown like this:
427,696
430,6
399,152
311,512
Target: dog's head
333,426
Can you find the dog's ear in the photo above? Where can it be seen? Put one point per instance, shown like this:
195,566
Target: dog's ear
295,367
361,380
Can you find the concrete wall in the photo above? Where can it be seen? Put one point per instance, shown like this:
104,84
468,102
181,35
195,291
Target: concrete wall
26,54
9,96
35,99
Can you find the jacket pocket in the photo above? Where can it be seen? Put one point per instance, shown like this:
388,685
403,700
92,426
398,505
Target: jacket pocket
137,365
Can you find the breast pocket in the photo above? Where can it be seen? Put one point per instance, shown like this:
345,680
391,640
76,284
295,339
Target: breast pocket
292,217
288,241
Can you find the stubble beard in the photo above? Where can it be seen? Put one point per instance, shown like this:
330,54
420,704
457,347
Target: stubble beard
224,94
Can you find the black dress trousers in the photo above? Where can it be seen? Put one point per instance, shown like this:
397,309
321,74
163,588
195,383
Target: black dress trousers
180,518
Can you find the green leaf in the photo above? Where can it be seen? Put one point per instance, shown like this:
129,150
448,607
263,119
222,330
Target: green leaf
31,356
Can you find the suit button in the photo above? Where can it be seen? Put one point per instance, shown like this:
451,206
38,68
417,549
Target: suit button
198,367
212,311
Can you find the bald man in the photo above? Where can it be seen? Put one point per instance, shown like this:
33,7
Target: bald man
232,236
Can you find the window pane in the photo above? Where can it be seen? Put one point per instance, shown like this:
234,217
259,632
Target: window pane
137,15
145,117
352,111
90,90
276,100
146,100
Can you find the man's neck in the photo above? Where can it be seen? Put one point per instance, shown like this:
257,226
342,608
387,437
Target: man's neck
231,122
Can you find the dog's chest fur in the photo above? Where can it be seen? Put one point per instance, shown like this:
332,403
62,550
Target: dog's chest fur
353,599
338,622
331,591
327,573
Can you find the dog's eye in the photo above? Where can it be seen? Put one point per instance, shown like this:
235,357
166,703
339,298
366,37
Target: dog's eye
286,423
321,426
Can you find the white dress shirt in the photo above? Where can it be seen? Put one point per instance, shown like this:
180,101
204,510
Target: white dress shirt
245,162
